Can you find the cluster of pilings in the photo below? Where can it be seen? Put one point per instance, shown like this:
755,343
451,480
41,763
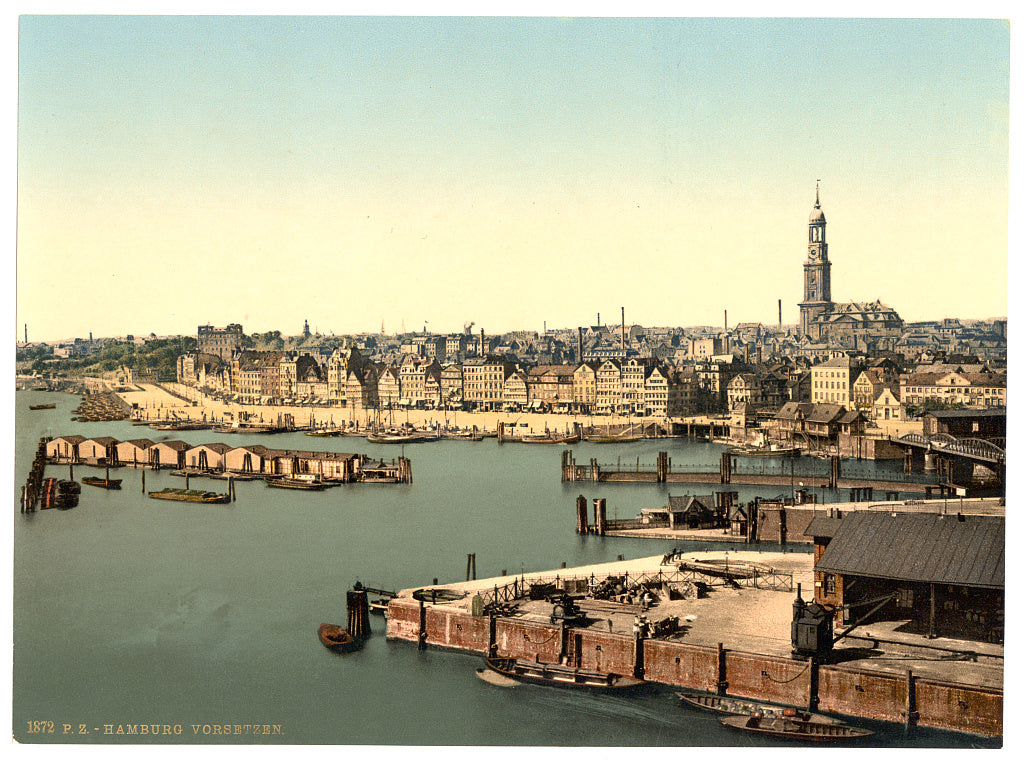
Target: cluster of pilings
31,489
600,517
358,612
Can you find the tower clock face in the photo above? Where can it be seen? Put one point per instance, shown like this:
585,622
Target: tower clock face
813,252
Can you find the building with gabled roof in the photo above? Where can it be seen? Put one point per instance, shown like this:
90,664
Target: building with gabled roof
944,572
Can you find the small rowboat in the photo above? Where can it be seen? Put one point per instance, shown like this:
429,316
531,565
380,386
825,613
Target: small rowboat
46,406
110,484
556,675
337,639
794,729
722,704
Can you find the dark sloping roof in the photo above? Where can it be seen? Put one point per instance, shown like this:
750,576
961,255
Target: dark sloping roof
927,548
823,527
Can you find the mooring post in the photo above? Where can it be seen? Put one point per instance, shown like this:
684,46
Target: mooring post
422,636
721,683
581,516
358,612
910,702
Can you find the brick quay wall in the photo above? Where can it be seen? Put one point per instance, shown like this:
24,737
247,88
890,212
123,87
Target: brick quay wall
778,679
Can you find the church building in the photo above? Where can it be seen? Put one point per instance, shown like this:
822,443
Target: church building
857,325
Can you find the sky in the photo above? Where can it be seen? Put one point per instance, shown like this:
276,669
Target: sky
369,172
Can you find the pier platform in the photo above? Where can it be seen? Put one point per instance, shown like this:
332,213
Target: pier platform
731,637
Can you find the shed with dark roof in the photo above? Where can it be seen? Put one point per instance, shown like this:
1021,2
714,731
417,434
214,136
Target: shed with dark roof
948,569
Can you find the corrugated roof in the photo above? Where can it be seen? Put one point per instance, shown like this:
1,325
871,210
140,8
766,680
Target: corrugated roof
927,548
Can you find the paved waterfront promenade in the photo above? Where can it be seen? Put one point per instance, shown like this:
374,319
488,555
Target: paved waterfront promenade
157,403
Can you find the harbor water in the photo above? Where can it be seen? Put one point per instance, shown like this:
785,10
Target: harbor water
132,611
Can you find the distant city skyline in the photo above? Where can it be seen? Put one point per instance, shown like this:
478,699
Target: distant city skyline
353,171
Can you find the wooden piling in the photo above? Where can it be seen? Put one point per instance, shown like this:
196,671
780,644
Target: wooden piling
582,527
358,613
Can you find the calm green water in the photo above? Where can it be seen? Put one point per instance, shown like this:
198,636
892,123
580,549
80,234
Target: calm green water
129,610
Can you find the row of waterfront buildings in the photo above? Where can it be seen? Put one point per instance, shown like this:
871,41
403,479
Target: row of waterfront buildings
880,387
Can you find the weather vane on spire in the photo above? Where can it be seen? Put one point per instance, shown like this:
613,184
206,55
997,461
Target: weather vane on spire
817,186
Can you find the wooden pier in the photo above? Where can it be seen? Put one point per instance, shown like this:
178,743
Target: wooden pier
726,474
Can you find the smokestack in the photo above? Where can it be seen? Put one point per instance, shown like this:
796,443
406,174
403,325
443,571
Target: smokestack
623,331
780,314
482,352
26,332
599,319
726,318
580,329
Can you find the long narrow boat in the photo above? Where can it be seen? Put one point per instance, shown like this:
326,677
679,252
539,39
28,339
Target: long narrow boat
293,483
794,729
722,704
337,639
557,675
544,439
324,433
605,438
189,496
110,484
766,452
45,406
397,439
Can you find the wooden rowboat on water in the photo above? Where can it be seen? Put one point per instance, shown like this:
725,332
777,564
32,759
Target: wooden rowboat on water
337,639
794,729
110,484
45,406
557,675
189,496
721,704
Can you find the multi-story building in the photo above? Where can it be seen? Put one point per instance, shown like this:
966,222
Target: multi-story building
516,393
483,381
389,387
552,385
832,381
270,377
361,387
632,376
655,391
609,387
451,384
969,390
584,387
341,362
220,342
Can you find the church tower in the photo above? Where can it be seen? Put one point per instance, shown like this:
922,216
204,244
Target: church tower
817,273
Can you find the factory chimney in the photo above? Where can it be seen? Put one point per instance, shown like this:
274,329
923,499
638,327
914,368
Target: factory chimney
623,335
580,329
482,352
726,319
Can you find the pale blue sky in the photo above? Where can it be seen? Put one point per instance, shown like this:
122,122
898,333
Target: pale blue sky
354,170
